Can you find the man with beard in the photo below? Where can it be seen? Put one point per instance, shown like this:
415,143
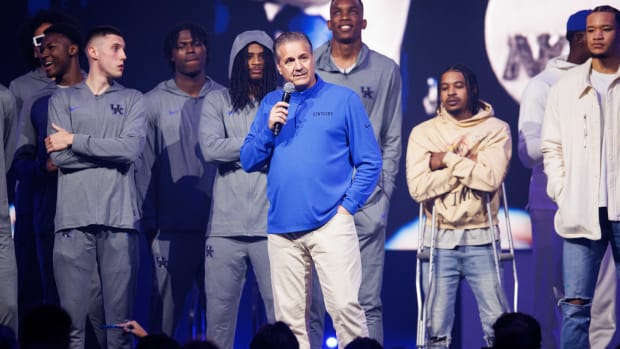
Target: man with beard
174,180
237,233
456,163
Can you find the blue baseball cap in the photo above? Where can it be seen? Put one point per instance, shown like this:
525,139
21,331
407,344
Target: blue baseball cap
577,21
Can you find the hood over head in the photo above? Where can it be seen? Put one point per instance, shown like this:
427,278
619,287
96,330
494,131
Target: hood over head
245,38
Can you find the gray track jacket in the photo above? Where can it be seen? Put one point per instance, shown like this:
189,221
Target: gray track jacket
174,181
96,183
376,79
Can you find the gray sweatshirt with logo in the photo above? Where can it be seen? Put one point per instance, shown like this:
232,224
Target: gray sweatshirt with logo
376,79
174,181
96,178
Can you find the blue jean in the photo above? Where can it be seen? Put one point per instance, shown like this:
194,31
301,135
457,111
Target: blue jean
476,265
582,260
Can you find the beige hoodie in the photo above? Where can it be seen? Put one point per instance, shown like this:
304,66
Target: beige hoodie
459,190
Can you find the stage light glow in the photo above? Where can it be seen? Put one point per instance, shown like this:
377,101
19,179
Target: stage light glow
406,237
331,342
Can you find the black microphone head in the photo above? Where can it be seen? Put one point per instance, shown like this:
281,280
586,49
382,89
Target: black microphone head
289,87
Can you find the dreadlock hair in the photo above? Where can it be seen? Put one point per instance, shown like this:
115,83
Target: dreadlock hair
240,79
473,96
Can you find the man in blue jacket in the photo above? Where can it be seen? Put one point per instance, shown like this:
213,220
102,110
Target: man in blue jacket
325,136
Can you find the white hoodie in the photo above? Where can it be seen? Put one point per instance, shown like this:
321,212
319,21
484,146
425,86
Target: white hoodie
531,113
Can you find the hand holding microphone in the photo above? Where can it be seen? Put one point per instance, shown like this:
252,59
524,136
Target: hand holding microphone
279,112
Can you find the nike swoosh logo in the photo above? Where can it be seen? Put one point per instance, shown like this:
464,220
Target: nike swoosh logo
172,112
73,108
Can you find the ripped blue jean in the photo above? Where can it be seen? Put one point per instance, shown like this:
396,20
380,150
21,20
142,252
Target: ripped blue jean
581,263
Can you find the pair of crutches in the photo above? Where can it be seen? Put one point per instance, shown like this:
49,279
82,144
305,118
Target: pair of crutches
427,254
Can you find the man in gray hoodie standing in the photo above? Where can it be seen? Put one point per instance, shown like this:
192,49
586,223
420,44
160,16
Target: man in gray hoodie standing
346,60
96,132
237,233
174,181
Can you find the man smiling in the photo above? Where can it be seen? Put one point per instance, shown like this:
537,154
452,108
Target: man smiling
346,60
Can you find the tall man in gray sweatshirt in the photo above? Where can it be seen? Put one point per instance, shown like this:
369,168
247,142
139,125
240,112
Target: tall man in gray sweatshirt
237,233
96,133
174,181
347,61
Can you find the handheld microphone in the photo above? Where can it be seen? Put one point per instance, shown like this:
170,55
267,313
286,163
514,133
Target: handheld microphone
288,89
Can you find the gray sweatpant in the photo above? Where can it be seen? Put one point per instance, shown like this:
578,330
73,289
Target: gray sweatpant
178,265
8,286
226,265
78,253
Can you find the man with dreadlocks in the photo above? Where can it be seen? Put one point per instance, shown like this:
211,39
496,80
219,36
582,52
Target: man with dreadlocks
237,232
174,181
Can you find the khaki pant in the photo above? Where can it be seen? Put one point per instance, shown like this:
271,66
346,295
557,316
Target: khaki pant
334,250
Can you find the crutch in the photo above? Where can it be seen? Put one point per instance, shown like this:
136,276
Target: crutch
424,254
510,254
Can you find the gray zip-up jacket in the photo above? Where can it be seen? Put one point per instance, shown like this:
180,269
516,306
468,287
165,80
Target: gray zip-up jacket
376,79
8,116
96,181
174,181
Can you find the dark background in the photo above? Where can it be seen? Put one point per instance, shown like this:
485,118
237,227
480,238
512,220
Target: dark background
438,33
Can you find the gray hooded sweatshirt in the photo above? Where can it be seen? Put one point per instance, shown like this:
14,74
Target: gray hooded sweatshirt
239,198
174,181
